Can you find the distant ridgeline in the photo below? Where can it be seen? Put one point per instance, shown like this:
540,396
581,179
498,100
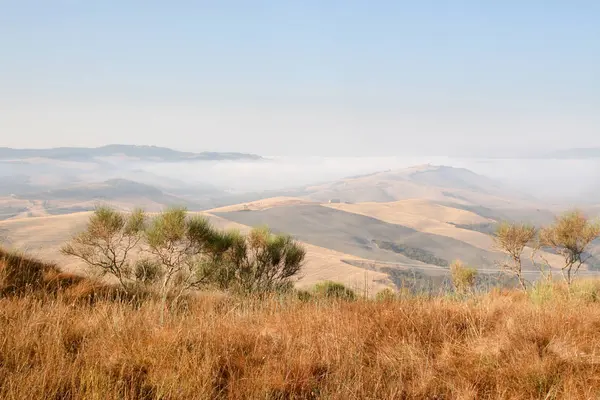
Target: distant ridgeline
141,152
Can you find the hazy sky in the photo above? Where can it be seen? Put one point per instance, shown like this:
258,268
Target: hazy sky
301,77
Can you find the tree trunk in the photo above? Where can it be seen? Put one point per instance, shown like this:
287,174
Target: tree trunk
163,299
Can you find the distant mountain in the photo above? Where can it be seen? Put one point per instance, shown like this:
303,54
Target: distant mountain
431,182
576,153
150,153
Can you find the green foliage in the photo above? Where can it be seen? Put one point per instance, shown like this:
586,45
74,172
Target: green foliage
512,239
463,277
569,236
168,229
304,295
186,253
107,242
336,290
386,294
147,271
266,262
541,292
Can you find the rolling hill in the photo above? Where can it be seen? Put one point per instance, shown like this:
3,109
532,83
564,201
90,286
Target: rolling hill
363,236
427,182
121,193
377,228
42,237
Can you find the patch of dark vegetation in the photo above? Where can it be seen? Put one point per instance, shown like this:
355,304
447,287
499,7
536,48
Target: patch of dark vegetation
488,228
419,282
10,212
413,253
479,210
66,210
454,196
534,216
368,175
22,275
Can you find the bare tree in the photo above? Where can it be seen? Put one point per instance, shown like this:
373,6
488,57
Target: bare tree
569,236
107,242
512,239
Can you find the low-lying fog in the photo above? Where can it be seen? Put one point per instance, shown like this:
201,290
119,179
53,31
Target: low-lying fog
543,178
572,181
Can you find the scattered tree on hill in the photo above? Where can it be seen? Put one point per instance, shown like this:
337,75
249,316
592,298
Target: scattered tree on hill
107,242
463,277
512,239
569,236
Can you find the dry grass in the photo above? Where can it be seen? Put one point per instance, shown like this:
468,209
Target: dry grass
502,345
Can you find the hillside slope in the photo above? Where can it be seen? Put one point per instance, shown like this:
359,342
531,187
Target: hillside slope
42,238
427,182
363,236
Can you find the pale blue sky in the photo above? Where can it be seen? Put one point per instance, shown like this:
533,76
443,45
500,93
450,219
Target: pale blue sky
301,77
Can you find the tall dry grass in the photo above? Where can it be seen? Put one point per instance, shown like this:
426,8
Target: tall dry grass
506,345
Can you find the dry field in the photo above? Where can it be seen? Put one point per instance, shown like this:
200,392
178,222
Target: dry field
64,338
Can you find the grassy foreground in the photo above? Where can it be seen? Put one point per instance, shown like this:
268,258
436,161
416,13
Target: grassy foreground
63,337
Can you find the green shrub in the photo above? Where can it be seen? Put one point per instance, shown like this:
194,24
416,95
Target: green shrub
541,292
147,271
336,290
386,294
304,295
463,277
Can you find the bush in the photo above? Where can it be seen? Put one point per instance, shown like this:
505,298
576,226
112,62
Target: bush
463,277
330,289
304,295
386,294
147,271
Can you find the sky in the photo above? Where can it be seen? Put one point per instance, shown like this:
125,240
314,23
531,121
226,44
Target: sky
325,78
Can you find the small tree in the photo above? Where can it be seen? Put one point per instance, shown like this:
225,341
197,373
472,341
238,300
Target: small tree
569,236
178,244
512,240
107,242
463,277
